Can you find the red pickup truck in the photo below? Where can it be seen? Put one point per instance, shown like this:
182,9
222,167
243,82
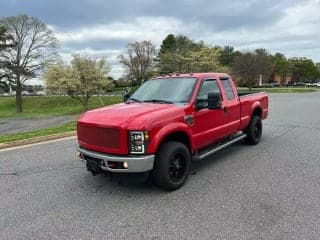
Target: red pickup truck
168,122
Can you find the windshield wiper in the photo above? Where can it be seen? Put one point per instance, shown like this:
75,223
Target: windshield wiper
135,100
158,101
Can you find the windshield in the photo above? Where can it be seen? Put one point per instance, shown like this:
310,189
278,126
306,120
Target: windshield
166,90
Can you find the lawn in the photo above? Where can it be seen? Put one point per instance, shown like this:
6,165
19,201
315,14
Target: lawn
44,106
41,106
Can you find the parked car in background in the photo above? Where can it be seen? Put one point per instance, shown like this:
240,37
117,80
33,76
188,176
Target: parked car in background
300,84
39,93
25,93
274,84
316,84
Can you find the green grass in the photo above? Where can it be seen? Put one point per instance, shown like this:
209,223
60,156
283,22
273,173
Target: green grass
280,90
41,106
37,133
45,106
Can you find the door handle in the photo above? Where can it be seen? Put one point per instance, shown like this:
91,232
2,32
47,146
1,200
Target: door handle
225,109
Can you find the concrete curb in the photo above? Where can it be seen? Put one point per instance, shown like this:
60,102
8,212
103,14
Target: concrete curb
37,139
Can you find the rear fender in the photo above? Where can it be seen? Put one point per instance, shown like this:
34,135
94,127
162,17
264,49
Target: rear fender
246,120
255,105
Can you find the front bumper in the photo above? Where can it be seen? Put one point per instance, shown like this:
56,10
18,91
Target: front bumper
135,163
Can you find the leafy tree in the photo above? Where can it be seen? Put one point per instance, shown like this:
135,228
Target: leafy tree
138,60
4,87
175,54
168,44
35,47
6,43
207,60
6,40
226,56
250,65
318,72
86,76
281,65
303,69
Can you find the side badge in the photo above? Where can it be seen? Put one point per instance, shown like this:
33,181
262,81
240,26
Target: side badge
189,120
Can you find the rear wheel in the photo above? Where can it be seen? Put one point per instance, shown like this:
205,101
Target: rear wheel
254,130
172,165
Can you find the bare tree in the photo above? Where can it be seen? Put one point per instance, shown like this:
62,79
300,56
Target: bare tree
34,47
138,59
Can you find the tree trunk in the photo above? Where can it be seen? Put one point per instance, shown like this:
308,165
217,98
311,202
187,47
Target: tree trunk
249,84
86,103
18,96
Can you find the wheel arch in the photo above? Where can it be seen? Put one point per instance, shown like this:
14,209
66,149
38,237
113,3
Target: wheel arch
257,111
178,136
173,132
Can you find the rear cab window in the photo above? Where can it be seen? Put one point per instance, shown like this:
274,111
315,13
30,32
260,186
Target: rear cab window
228,88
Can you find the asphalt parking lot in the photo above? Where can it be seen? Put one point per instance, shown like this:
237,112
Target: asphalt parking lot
18,125
268,191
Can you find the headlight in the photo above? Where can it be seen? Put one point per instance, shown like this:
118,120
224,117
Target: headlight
138,141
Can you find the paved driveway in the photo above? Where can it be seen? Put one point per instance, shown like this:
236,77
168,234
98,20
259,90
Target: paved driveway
268,191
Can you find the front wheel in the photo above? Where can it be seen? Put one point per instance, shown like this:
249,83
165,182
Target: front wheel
172,165
254,130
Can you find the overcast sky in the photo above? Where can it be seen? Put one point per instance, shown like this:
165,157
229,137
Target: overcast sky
103,28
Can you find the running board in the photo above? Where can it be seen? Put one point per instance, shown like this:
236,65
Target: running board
217,148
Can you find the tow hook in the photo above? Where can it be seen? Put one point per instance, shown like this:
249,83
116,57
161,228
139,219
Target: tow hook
94,166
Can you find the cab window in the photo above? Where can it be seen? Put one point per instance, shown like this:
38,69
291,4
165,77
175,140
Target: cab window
228,88
208,86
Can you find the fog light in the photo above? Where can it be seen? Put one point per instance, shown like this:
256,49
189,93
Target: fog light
125,165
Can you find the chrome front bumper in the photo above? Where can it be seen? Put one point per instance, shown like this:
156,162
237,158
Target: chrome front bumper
135,163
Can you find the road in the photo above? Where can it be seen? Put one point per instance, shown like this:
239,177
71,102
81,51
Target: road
268,191
18,125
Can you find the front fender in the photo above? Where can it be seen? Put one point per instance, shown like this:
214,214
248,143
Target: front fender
165,131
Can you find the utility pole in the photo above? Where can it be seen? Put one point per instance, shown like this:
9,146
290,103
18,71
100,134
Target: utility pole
260,80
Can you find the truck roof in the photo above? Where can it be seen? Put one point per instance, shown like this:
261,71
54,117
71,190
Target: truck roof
197,75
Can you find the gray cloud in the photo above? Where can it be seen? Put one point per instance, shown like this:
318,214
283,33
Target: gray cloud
97,44
216,15
103,28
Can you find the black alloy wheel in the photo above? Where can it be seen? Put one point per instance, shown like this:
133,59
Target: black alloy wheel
172,165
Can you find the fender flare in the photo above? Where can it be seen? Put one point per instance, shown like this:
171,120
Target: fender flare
255,105
166,131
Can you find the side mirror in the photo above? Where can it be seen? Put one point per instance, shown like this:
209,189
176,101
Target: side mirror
126,96
201,103
214,100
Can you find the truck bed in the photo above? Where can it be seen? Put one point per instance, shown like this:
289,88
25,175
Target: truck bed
241,94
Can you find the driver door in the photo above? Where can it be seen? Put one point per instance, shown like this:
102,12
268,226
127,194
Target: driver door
208,124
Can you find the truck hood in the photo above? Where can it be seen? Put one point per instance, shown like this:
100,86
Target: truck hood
132,115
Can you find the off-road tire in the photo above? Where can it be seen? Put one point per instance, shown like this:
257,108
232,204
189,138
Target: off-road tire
254,130
172,166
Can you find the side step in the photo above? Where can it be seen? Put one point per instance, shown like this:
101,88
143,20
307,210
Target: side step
218,147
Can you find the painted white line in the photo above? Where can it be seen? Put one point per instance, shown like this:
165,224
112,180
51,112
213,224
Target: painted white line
39,143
